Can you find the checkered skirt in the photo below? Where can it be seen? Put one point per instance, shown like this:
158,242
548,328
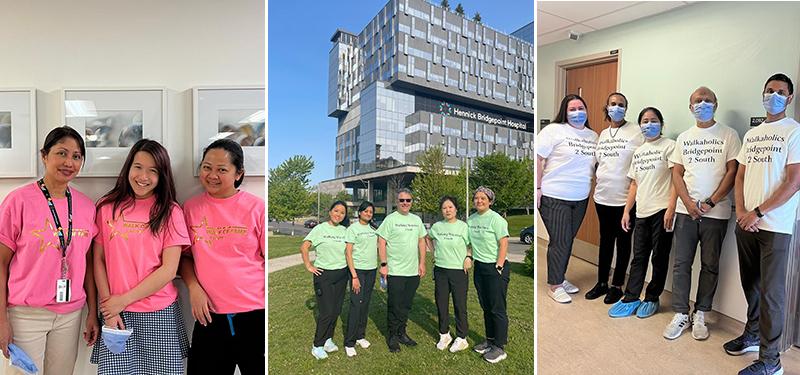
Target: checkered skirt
157,346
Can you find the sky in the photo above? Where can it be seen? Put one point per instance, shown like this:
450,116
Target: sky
298,43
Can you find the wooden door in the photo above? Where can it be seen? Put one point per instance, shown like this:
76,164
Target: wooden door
593,83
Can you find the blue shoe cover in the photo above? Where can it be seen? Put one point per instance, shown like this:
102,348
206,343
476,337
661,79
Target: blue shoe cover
647,309
623,309
21,360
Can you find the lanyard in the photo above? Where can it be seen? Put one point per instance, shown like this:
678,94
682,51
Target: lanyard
57,222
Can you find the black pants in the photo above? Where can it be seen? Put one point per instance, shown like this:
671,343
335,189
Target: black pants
359,307
329,288
218,350
762,266
562,220
611,232
649,237
401,290
451,282
492,288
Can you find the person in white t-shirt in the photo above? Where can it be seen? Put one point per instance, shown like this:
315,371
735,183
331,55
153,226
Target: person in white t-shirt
615,148
654,196
705,165
565,153
766,204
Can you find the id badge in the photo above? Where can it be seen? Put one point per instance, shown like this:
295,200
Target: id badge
63,290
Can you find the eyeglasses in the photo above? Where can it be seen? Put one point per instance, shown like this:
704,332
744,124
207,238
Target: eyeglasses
404,200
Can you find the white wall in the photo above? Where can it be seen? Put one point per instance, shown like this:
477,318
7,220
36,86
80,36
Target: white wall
730,47
176,44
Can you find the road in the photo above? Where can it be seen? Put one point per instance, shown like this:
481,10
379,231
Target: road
286,227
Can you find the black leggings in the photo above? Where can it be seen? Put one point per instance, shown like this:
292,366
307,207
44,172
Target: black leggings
610,218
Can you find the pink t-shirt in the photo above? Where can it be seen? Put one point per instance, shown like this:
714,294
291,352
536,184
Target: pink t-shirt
132,252
27,228
228,250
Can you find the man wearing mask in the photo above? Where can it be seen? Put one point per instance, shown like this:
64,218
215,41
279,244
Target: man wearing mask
705,166
766,203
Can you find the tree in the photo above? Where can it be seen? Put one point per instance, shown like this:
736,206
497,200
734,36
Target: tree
511,180
288,188
445,4
477,17
529,263
460,10
432,183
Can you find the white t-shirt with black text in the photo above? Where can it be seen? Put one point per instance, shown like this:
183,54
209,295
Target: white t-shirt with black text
652,171
766,151
570,162
614,152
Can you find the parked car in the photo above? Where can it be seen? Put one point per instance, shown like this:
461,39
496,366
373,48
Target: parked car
526,235
310,223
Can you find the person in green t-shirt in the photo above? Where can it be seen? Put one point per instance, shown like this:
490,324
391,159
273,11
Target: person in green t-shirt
401,247
453,259
362,259
488,234
330,275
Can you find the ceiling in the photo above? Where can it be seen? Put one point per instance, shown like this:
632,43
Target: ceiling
557,18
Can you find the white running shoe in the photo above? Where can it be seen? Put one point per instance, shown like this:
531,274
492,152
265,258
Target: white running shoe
351,352
330,347
699,329
679,323
570,287
319,352
444,340
459,345
559,295
363,343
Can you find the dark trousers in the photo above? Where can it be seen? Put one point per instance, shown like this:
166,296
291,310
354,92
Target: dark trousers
492,288
451,282
224,344
359,307
562,220
329,288
610,233
401,290
762,265
688,232
649,237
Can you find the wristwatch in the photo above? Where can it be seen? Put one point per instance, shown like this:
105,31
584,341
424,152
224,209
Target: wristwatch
709,202
758,212
383,264
470,257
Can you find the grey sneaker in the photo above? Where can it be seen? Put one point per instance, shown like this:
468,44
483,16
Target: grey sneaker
495,355
482,347
679,323
699,329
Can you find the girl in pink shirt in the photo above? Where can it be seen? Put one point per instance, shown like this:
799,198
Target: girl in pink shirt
224,271
136,255
46,229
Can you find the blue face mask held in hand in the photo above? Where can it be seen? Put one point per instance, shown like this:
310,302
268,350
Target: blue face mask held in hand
115,339
21,360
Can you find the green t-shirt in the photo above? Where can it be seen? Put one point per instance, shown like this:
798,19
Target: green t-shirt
450,243
484,232
365,246
328,242
402,234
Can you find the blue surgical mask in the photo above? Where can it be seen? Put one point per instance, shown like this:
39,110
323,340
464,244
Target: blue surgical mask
21,360
651,130
576,118
616,113
115,339
774,103
703,111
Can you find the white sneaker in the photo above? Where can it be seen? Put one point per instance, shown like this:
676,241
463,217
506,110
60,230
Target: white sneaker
559,295
679,323
570,287
444,340
363,343
330,347
351,352
699,329
459,345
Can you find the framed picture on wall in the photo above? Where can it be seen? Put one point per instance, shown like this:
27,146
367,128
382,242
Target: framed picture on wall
18,150
111,121
235,113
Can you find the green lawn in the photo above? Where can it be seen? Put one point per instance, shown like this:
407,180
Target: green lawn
517,222
280,245
291,331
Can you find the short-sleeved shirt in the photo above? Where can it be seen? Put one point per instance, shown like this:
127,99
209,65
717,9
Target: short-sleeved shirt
133,252
767,150
652,171
28,229
570,155
228,249
703,153
402,234
328,242
485,230
614,152
365,245
450,242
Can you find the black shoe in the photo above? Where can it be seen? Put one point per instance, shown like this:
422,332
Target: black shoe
742,344
405,340
600,289
394,345
614,294
483,347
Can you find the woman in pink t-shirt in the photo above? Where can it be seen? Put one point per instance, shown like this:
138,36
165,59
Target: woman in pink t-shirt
136,255
46,231
224,271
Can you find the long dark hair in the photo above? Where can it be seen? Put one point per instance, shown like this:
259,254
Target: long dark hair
235,153
561,118
346,221
605,107
122,196
363,207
